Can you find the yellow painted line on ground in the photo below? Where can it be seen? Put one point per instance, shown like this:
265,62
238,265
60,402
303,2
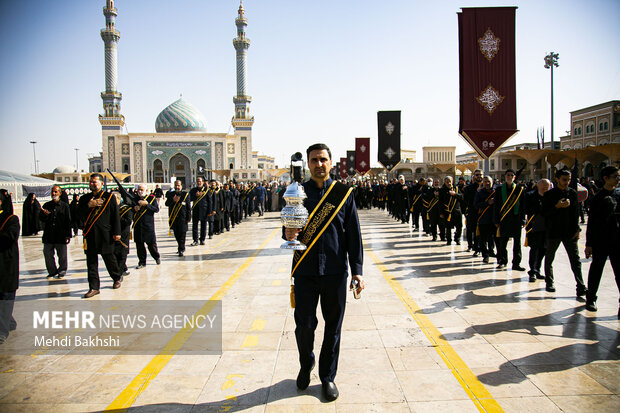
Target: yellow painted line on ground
251,340
258,324
128,396
476,391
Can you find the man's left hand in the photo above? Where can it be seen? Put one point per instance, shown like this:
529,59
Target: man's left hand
142,202
360,283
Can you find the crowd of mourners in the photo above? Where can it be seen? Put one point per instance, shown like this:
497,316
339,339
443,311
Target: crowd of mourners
487,214
544,213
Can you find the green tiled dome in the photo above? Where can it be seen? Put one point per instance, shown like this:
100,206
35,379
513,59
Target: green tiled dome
180,116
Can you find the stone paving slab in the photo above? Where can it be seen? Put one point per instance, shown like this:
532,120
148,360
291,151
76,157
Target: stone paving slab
527,349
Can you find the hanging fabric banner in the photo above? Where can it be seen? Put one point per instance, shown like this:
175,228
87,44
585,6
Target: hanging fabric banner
389,138
343,168
351,163
362,155
488,109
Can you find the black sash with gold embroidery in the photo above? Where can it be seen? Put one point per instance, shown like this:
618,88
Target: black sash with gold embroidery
511,201
202,193
320,218
142,211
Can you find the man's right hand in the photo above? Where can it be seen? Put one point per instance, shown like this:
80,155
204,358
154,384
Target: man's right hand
291,233
95,202
588,252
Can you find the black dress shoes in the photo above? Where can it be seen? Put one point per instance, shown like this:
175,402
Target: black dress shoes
330,391
591,306
180,253
193,244
303,378
140,266
157,261
550,288
517,268
581,291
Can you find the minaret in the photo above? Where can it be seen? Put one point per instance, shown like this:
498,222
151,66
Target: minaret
111,120
242,121
111,97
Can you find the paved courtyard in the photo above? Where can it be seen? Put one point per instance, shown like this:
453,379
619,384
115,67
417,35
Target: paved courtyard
435,331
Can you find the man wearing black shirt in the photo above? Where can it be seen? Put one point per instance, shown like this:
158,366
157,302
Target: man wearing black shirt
603,234
322,275
56,220
562,224
535,230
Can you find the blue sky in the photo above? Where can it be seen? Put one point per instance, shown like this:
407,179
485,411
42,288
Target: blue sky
317,70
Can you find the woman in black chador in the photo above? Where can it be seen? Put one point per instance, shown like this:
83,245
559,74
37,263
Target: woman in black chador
30,217
75,219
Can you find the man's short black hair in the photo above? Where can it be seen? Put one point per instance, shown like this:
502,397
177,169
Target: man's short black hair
562,172
318,147
97,175
510,170
608,171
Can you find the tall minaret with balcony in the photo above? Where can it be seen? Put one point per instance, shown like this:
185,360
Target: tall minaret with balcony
111,120
242,121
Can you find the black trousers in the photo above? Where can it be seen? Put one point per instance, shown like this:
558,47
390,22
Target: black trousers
570,245
502,252
203,229
599,257
120,253
537,243
486,243
92,266
180,234
470,231
50,261
331,291
227,215
7,321
455,222
141,250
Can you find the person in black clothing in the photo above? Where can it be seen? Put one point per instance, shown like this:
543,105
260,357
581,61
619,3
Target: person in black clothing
121,248
214,218
562,224
159,194
402,200
179,214
483,202
202,207
509,220
9,264
322,275
56,219
471,212
30,216
228,198
450,210
144,226
603,234
535,230
102,228
416,193
75,219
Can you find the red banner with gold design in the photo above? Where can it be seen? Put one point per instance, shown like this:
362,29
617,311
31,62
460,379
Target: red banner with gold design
362,155
488,108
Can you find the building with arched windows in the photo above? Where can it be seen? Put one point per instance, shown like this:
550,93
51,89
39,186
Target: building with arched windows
181,146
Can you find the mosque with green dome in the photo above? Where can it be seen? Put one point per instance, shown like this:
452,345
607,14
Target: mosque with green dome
181,146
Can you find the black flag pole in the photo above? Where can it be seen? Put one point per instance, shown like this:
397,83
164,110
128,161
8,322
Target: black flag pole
127,197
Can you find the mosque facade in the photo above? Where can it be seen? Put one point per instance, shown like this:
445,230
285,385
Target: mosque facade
181,147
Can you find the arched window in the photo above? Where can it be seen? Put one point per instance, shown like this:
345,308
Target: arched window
201,169
158,171
606,126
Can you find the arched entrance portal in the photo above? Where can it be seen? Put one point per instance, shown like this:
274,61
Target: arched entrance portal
179,168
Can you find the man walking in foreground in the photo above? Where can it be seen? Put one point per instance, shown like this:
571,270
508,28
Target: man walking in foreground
320,272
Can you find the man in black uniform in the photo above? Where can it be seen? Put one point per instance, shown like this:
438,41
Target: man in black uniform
471,212
56,220
201,210
535,230
603,234
562,222
450,210
102,228
228,198
417,192
121,248
402,200
320,272
179,214
483,202
214,216
144,226
431,201
509,220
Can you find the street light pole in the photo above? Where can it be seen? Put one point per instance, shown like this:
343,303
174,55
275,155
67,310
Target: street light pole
36,169
77,168
551,60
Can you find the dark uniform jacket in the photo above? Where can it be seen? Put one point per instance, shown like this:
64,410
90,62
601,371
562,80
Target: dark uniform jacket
56,225
184,215
431,204
450,205
513,222
561,222
469,196
126,214
341,240
481,202
99,238
144,221
533,204
227,195
604,220
9,252
204,208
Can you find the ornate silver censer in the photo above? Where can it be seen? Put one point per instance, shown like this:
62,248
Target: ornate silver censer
294,214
